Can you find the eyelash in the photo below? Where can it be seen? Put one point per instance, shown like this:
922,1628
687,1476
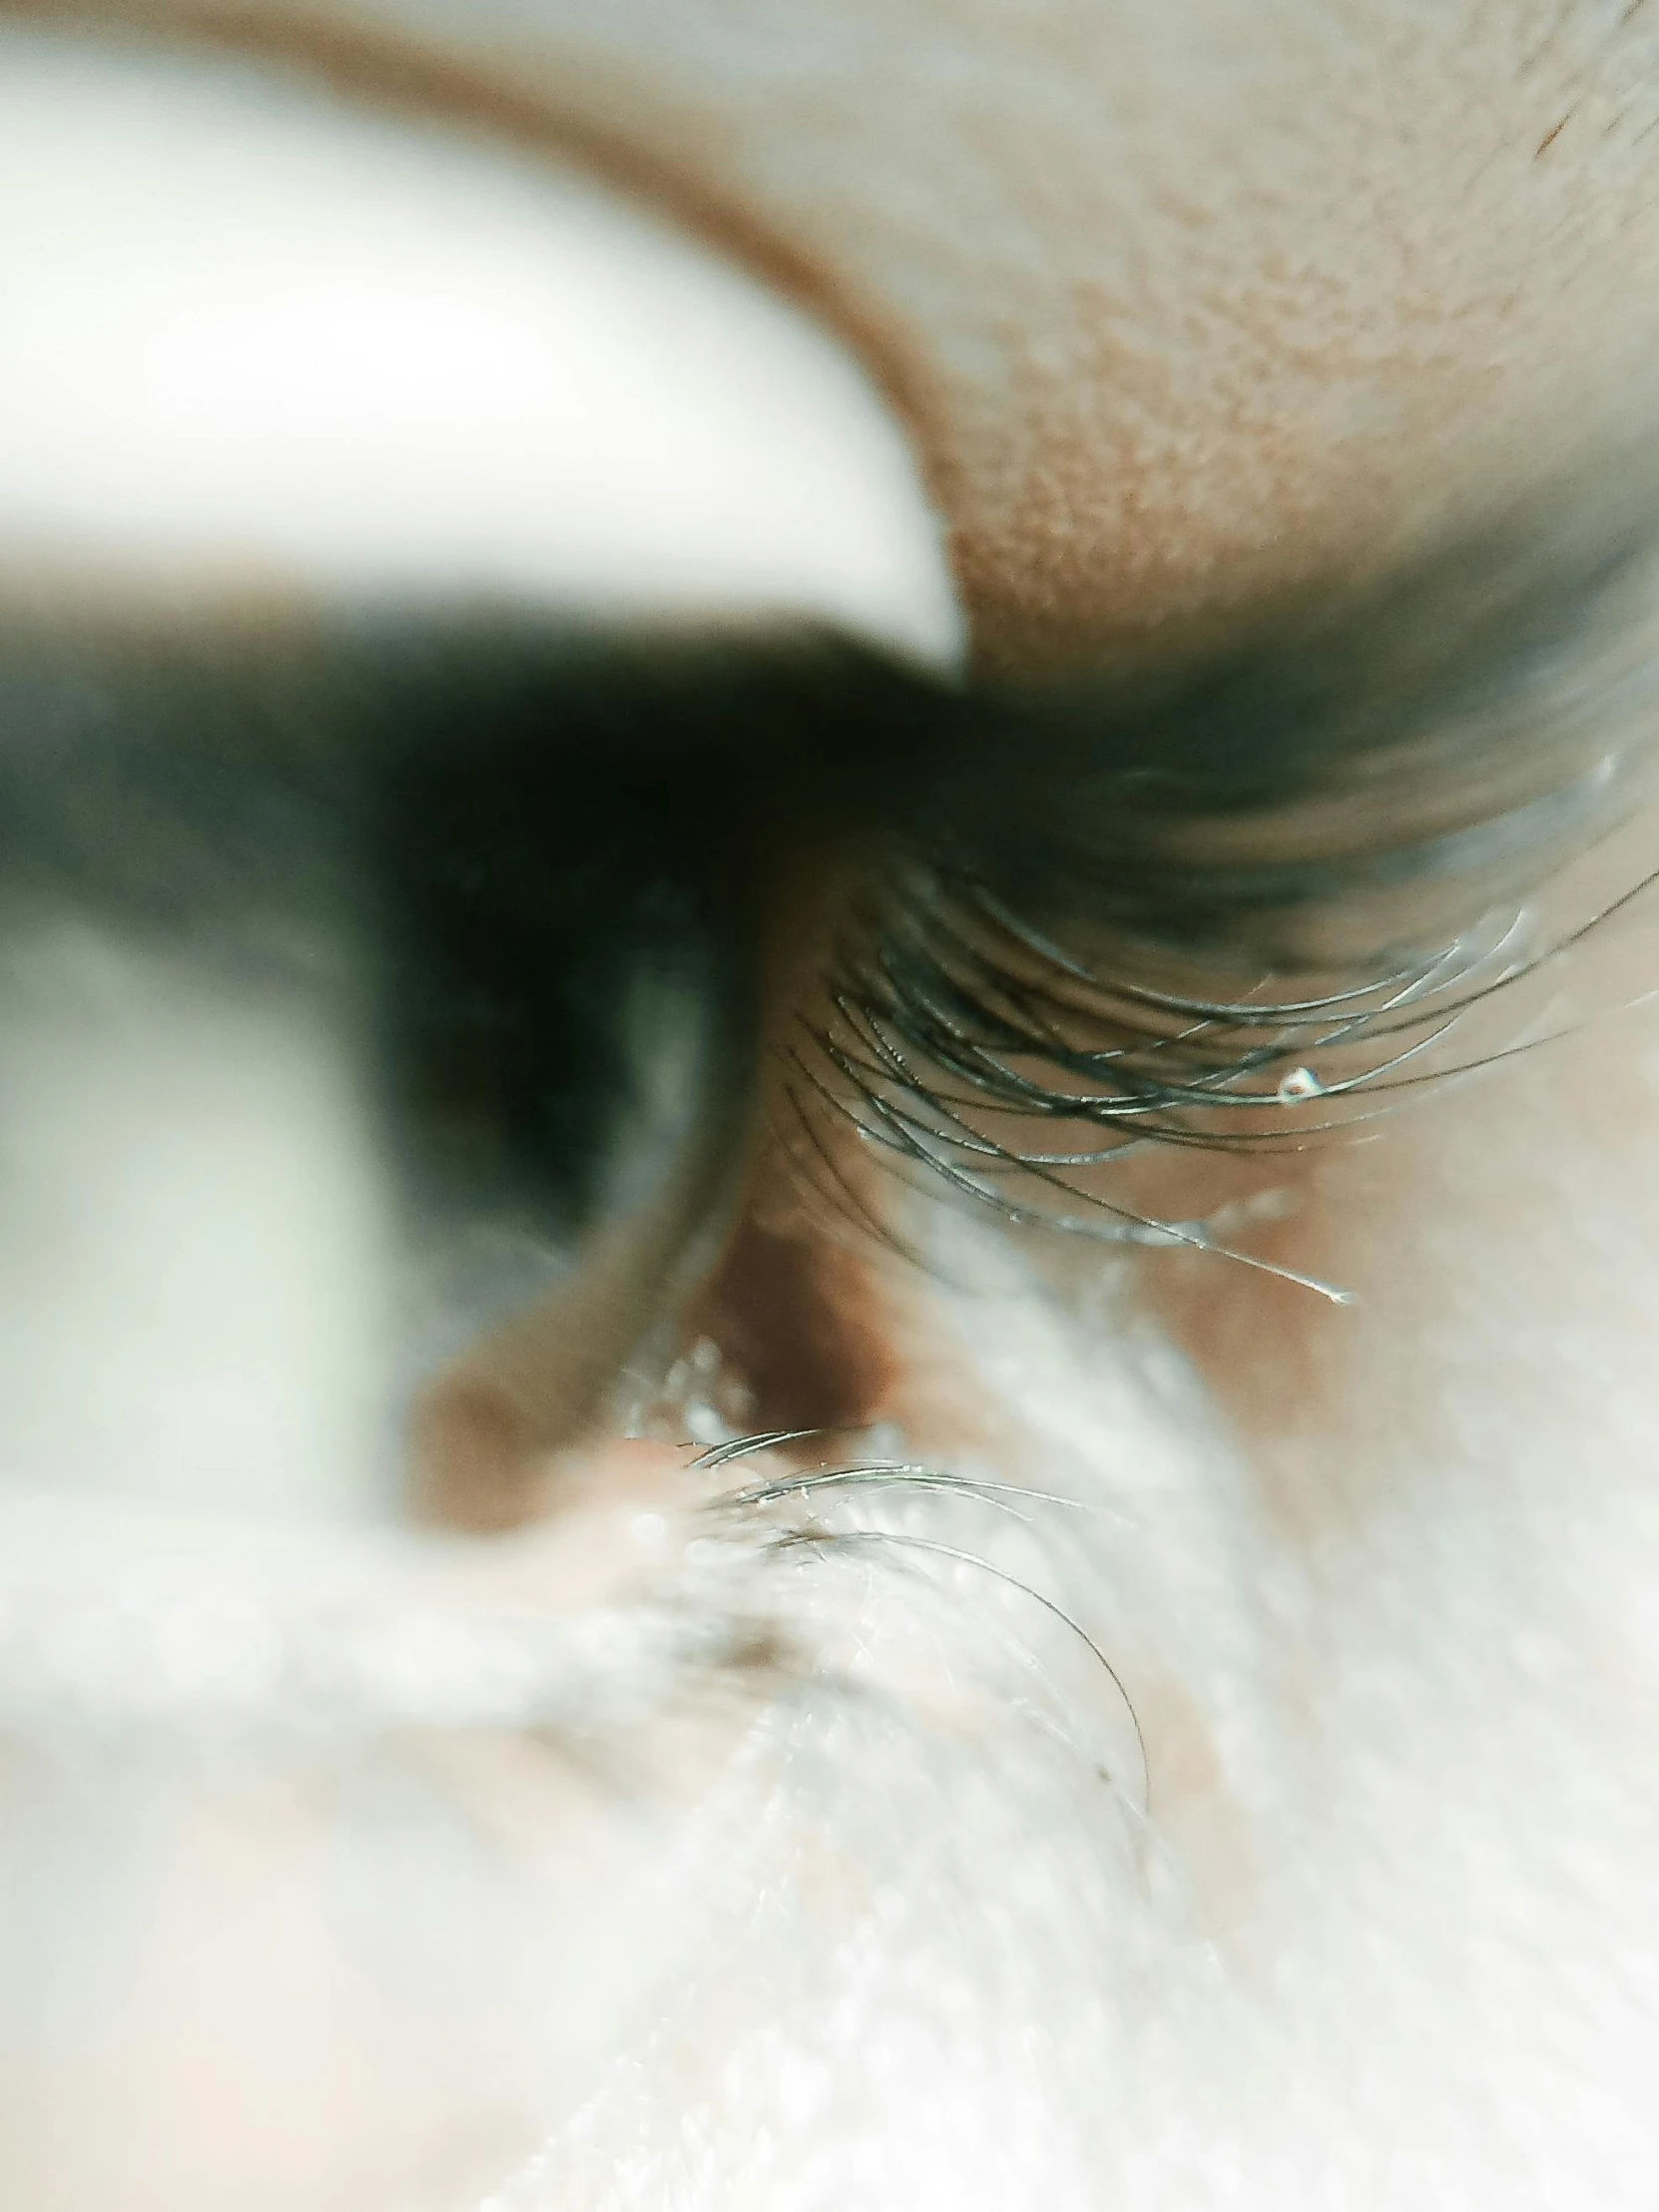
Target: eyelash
944,1013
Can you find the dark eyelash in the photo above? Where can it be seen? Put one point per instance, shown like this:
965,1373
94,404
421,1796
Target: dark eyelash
946,1015
1074,870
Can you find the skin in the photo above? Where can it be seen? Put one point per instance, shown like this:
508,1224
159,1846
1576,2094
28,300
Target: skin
1180,309
1188,315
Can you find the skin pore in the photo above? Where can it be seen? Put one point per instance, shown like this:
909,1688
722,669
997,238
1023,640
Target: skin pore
1198,320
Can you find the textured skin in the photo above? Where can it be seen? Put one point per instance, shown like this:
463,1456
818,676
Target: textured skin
1185,304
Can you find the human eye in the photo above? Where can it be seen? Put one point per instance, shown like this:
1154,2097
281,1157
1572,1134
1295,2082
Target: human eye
782,1423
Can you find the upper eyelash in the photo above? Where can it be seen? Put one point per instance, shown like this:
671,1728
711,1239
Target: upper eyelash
944,1006
947,1016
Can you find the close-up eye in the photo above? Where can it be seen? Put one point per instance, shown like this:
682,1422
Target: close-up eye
829,1107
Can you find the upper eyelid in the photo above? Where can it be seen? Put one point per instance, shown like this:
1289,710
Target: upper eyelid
1472,719
1527,612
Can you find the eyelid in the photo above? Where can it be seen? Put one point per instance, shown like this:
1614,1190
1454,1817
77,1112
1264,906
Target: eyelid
251,337
1409,755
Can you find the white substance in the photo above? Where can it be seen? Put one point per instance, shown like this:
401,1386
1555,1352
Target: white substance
1386,1939
1395,1944
253,340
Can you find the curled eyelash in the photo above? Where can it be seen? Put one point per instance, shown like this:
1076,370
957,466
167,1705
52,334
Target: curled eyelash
948,1022
802,1496
221,1668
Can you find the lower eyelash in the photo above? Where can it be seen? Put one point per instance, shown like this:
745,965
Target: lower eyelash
214,1672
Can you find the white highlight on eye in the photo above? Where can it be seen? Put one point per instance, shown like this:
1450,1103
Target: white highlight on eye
249,332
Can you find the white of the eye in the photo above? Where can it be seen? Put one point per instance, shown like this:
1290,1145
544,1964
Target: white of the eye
199,1266
247,333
